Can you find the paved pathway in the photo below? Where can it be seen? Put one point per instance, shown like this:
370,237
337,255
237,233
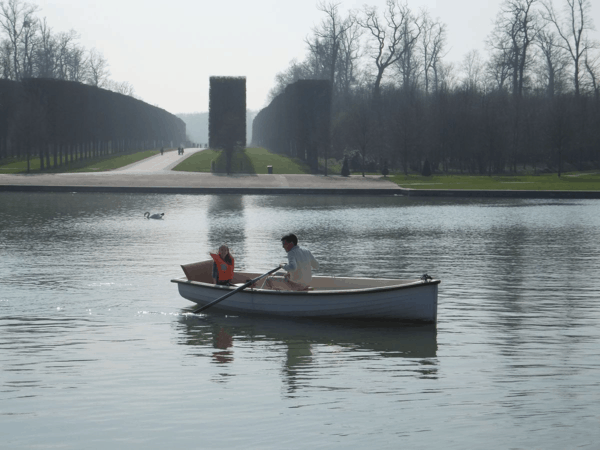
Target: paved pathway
158,163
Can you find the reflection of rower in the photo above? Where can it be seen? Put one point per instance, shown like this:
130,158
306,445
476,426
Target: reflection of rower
223,341
299,353
386,338
299,343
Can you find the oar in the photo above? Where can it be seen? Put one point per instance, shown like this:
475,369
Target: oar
244,286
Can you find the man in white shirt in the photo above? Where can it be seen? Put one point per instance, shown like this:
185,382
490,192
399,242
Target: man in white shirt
299,267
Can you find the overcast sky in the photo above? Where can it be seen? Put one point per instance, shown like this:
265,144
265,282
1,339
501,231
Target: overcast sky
168,50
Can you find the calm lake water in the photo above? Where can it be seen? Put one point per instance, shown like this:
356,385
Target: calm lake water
98,350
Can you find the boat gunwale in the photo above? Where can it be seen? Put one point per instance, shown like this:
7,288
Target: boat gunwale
416,283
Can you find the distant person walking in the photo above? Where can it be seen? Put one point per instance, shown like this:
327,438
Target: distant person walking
162,150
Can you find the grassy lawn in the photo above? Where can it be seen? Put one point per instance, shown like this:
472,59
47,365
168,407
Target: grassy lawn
251,160
198,162
256,160
110,162
103,165
545,182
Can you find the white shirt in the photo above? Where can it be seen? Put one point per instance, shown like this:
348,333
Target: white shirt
299,265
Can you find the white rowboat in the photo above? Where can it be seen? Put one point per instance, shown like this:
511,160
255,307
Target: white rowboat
329,297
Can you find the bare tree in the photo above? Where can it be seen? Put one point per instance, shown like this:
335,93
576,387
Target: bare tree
432,42
554,62
526,20
514,32
499,66
318,58
592,66
98,72
472,67
64,44
388,35
408,64
121,87
46,52
17,19
446,74
28,46
573,30
76,64
6,59
349,54
329,36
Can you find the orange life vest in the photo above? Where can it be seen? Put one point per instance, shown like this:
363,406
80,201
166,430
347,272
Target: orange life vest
225,270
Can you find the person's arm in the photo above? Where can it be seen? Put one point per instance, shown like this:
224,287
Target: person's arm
313,262
215,273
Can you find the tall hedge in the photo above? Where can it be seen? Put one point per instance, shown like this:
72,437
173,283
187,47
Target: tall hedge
227,113
67,116
297,122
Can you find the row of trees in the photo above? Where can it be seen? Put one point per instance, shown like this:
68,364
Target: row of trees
534,101
470,131
63,121
297,122
30,48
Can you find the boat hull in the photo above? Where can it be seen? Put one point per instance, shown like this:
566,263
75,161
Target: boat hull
412,301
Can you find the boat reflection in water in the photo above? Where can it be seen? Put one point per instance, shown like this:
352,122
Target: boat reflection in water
303,341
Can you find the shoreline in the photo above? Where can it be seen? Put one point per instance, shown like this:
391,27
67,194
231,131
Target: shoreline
201,190
169,182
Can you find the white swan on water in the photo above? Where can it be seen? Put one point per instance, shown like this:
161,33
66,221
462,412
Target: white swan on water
153,216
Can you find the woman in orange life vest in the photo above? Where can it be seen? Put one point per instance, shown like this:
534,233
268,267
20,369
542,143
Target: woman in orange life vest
223,265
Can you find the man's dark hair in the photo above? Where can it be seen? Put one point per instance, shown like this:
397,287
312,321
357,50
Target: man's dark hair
290,238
